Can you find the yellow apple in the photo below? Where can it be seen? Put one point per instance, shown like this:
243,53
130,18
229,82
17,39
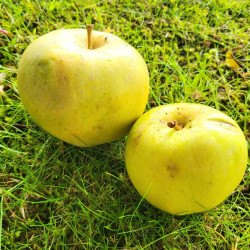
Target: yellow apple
185,158
85,88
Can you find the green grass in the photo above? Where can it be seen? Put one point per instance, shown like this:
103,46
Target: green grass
57,196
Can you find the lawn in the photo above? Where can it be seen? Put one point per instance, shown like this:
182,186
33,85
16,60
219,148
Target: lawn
57,196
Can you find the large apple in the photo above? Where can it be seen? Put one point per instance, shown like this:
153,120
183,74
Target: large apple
185,158
85,88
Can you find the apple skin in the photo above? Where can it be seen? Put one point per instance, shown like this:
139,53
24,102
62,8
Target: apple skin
188,170
82,96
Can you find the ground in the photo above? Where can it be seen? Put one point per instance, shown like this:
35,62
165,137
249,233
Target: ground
57,196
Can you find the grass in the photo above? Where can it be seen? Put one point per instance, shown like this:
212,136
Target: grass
57,196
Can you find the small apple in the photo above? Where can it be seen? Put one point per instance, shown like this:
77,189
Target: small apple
84,87
185,158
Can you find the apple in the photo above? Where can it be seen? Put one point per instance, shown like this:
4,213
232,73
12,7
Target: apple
84,87
185,158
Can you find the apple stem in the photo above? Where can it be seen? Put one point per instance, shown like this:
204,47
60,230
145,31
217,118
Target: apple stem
174,124
89,28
